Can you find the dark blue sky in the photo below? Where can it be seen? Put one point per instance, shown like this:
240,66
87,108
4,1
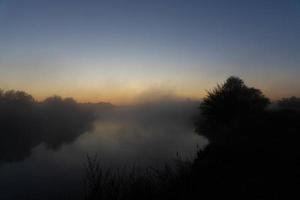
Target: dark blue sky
114,50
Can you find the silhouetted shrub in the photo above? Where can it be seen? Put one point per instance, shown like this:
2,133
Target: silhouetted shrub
228,106
168,182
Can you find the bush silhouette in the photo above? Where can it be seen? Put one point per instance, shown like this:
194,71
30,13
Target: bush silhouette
229,105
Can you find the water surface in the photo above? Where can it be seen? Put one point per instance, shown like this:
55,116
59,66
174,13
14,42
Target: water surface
143,136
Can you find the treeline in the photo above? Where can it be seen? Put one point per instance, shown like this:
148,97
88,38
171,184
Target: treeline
26,123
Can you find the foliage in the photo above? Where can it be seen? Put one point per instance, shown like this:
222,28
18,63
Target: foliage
232,100
228,106
168,182
25,123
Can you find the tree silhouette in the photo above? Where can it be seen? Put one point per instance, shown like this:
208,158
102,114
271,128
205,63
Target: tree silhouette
229,105
26,123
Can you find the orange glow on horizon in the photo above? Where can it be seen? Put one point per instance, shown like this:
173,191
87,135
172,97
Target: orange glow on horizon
131,92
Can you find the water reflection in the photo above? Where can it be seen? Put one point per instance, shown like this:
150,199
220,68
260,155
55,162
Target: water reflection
25,124
52,157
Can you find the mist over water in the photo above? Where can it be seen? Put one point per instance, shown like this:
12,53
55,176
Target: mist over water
146,134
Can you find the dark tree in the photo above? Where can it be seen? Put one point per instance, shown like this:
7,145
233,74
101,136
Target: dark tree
229,105
26,123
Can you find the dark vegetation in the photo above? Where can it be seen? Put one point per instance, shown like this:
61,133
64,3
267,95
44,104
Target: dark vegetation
253,151
253,154
26,123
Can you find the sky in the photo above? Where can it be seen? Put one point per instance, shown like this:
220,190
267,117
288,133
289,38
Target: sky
118,50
